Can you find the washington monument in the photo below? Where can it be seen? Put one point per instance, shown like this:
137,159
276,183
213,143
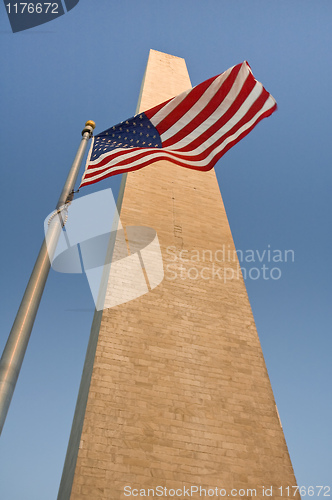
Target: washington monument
175,398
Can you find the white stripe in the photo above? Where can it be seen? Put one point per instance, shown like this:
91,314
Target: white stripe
129,154
218,113
88,159
182,157
195,134
195,108
158,117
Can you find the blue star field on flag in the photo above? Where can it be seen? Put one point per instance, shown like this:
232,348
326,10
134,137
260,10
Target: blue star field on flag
134,132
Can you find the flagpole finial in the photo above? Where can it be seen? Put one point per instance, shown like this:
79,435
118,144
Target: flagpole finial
90,123
89,126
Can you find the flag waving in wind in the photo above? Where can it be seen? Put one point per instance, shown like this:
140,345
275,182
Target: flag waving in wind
193,130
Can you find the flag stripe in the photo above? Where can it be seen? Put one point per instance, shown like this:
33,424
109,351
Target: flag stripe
221,127
197,117
194,100
219,118
207,102
168,108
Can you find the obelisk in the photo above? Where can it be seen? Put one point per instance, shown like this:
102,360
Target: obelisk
179,396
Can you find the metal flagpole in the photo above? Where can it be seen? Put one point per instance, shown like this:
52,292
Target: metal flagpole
14,351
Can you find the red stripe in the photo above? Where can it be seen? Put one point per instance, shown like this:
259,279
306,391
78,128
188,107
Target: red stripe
259,103
129,169
144,152
151,112
185,105
239,138
245,91
226,148
235,106
111,155
211,106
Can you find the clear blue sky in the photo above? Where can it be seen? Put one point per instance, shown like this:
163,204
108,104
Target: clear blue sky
88,64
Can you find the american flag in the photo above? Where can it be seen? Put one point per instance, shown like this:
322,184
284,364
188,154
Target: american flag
193,129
